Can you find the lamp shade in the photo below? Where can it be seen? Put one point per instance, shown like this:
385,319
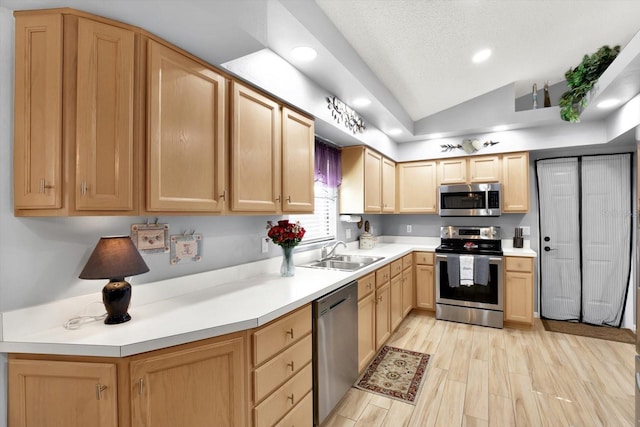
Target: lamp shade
115,257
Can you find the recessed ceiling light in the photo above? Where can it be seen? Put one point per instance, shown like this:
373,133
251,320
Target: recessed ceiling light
608,103
500,128
361,102
395,131
304,53
481,56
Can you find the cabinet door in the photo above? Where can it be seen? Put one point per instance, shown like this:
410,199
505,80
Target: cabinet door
191,387
71,394
255,152
388,185
515,182
383,315
298,169
104,118
417,188
484,169
452,171
425,295
407,291
366,330
37,140
396,301
518,306
372,181
187,131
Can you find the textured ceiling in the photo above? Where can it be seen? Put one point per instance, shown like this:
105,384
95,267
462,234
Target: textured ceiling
421,49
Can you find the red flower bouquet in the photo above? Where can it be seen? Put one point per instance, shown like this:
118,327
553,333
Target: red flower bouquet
285,233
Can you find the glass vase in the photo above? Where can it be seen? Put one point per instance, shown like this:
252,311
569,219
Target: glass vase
287,268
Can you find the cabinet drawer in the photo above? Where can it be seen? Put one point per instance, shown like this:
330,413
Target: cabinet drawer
282,367
383,275
301,415
283,399
366,285
519,264
407,261
396,267
280,333
424,258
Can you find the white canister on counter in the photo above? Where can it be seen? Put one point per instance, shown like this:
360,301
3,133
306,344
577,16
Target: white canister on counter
367,241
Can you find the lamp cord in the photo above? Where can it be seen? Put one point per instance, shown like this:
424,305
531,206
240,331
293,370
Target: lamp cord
78,321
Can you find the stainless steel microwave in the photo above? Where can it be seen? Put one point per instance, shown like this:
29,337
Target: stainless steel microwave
469,200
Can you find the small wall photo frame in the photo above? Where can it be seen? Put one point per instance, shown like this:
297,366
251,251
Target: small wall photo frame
150,238
186,248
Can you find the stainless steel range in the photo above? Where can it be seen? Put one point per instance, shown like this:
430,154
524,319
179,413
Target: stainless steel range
469,270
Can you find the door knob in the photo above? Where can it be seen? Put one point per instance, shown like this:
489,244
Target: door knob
547,238
547,249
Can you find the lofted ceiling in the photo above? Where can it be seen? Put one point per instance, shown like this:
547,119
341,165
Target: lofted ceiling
411,58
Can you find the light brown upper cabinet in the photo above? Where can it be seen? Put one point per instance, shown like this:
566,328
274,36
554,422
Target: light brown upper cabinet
417,189
186,157
484,169
260,131
363,188
515,182
452,171
74,150
298,167
467,170
388,185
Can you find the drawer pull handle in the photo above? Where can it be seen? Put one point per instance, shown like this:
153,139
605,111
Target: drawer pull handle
223,196
83,188
140,386
369,286
99,389
380,298
290,332
289,200
291,398
290,365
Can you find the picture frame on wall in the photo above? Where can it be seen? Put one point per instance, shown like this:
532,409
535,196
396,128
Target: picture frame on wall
150,238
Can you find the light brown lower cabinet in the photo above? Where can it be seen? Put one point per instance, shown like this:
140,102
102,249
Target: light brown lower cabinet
407,291
425,291
203,383
383,314
396,301
366,320
56,393
518,292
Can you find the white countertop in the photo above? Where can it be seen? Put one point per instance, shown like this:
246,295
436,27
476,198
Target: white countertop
190,308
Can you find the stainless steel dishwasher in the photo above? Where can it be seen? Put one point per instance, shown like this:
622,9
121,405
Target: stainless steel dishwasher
335,348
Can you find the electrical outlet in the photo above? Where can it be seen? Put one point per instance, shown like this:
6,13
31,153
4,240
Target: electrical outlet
347,233
409,228
265,245
526,231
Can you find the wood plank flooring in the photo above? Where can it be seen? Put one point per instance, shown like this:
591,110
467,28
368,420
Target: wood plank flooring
481,376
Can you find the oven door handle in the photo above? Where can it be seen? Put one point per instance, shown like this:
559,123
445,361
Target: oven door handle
491,259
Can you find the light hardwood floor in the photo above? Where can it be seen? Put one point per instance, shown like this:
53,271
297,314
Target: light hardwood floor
481,376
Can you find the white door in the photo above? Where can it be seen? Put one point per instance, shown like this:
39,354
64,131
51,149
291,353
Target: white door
606,237
560,280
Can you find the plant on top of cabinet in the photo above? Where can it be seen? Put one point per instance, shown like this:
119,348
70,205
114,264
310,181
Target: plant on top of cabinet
69,160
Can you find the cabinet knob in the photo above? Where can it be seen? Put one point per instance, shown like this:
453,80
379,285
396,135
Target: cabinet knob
43,186
290,332
380,298
278,199
369,286
83,187
140,386
290,365
291,398
289,200
99,389
223,196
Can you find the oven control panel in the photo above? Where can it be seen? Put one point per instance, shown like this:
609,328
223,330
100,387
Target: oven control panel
466,232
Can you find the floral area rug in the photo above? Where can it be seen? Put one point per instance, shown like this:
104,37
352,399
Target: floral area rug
395,373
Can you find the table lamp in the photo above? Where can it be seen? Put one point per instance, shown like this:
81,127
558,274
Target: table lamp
114,258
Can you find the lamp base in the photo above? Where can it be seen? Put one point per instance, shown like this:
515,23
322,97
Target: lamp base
116,296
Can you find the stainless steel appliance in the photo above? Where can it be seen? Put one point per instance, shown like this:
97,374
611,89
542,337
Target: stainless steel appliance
469,200
335,348
478,301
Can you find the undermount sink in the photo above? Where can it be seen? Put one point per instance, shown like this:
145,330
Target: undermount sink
343,262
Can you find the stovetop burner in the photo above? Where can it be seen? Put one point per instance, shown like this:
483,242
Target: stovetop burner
470,240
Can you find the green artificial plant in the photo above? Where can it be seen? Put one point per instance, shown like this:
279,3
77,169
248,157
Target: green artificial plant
581,80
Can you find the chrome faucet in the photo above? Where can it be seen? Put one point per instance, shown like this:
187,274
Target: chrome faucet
324,253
